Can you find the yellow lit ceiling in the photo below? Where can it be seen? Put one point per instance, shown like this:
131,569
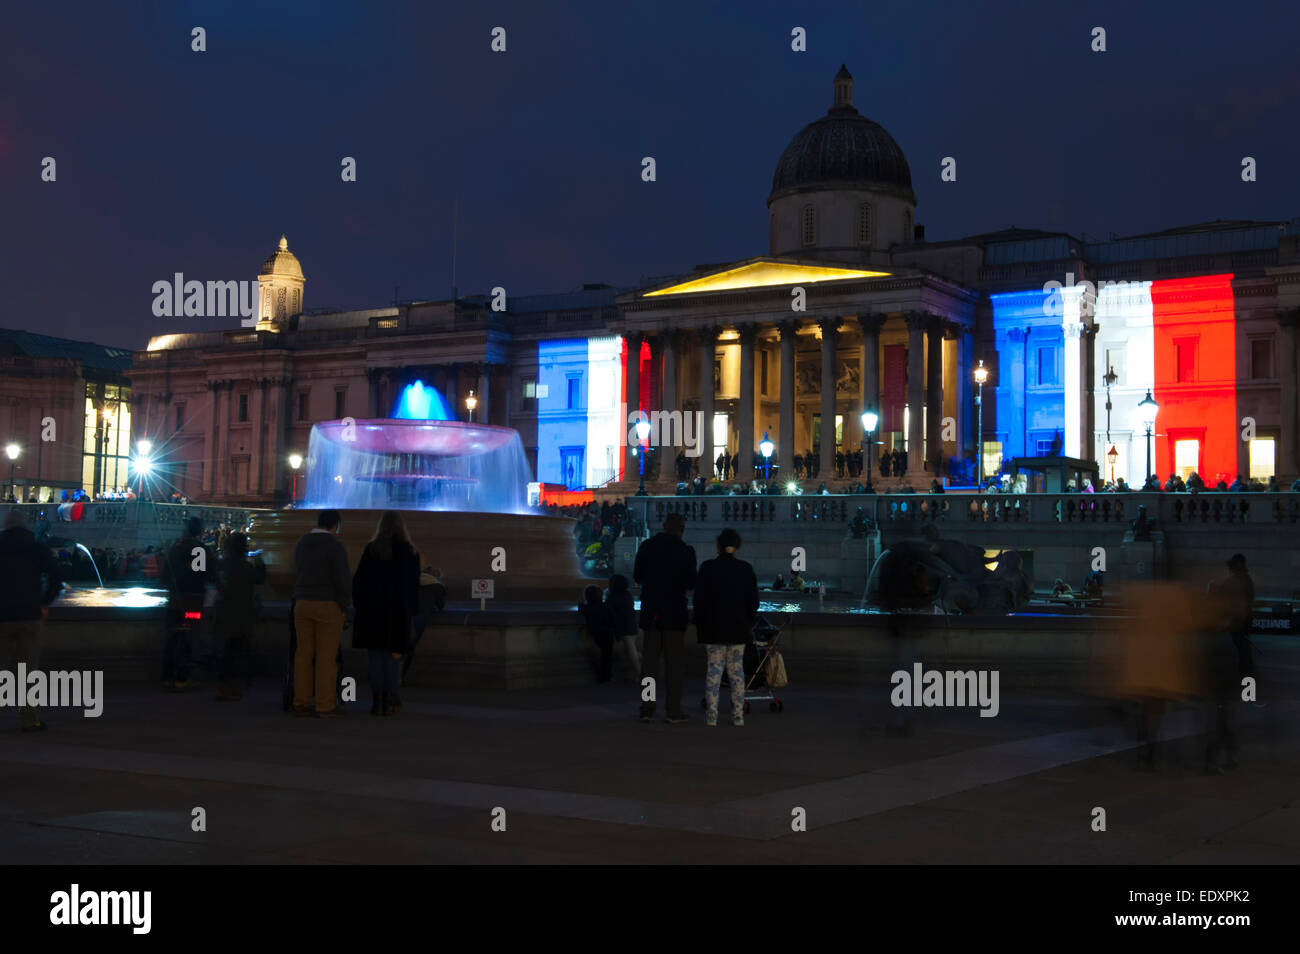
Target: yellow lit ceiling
758,274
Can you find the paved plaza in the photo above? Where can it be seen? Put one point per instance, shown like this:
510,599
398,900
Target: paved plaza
581,780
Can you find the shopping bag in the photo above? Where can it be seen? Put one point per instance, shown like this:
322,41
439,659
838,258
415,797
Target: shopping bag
776,677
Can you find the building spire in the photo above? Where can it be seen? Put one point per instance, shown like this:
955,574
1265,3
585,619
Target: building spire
843,88
284,244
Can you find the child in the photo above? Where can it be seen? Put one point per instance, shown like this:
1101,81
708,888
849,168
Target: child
600,626
619,601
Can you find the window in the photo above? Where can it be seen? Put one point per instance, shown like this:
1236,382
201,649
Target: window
1263,452
571,469
530,389
1185,349
574,395
340,402
180,416
1187,457
243,408
1047,367
1042,448
992,457
1261,360
302,405
297,300
864,223
809,225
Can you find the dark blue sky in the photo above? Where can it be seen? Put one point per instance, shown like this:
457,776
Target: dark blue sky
170,160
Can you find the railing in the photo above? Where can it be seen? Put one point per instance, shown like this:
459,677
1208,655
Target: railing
1165,510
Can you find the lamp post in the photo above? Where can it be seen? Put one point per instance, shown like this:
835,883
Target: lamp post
1112,456
295,461
642,434
12,451
1108,379
869,422
981,375
766,447
1148,408
471,402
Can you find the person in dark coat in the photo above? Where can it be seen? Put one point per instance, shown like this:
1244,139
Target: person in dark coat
620,603
385,593
600,627
24,602
186,573
726,605
236,582
665,569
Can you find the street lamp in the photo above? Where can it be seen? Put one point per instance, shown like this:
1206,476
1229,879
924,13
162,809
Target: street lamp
295,461
1147,410
642,435
12,451
143,464
869,421
981,375
766,447
471,402
1108,379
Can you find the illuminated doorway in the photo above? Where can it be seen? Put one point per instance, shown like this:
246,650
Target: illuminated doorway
1187,457
1263,458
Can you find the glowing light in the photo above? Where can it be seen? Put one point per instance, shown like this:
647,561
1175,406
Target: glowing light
766,447
981,373
144,447
12,451
869,421
295,461
143,465
421,402
761,274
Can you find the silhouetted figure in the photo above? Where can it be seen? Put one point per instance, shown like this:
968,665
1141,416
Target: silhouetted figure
726,605
665,569
599,620
386,597
24,602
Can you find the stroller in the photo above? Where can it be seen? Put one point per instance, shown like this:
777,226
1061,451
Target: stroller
757,662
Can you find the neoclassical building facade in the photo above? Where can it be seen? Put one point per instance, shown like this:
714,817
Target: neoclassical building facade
851,309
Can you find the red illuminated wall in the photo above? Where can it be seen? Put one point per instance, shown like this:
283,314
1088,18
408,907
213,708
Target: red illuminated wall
1198,315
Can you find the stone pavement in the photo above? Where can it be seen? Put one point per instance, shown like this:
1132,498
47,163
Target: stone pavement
582,780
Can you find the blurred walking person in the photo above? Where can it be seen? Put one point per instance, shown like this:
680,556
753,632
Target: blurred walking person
322,593
185,571
236,579
665,569
24,601
600,627
432,600
386,592
726,605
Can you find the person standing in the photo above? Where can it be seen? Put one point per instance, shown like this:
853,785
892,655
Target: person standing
322,595
185,571
665,570
234,613
24,601
1237,590
726,605
385,592
600,627
620,603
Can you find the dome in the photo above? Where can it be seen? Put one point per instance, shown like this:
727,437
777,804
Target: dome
282,262
843,150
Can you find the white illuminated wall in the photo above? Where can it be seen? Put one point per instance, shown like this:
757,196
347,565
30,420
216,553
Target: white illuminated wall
1125,329
604,397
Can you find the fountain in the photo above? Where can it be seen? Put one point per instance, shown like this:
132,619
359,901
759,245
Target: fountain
462,488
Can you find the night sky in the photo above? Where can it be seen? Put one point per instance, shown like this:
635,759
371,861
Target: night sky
171,160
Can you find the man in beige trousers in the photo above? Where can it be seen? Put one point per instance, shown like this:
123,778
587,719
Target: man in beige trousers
322,593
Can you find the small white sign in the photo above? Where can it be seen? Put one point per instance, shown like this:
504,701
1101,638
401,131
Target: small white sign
483,589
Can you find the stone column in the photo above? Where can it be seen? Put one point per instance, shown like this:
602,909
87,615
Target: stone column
655,401
484,394
707,340
228,469
1288,450
633,377
786,450
826,454
745,422
1073,442
210,444
672,342
916,325
965,377
259,440
934,396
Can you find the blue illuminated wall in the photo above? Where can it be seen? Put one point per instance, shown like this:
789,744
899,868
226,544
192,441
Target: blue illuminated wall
579,402
1030,393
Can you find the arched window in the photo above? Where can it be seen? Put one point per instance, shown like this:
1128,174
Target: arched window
864,223
809,225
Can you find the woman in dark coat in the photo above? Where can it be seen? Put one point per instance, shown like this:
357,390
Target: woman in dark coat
726,605
385,594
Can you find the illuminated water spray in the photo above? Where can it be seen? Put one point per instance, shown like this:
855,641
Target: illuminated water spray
420,402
